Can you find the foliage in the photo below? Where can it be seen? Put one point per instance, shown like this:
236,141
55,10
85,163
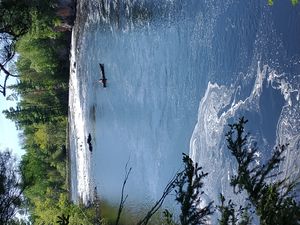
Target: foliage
228,215
14,17
44,169
42,116
294,2
31,26
14,22
63,220
168,217
273,201
187,185
42,68
231,216
188,194
156,207
30,115
41,113
10,188
40,52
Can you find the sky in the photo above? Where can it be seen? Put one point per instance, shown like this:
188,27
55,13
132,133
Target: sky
9,135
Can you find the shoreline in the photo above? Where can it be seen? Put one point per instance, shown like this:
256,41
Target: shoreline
68,159
68,179
79,180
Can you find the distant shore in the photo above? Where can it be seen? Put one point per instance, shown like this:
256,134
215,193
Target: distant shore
73,6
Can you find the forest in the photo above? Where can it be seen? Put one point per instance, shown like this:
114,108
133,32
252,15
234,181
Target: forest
35,43
35,49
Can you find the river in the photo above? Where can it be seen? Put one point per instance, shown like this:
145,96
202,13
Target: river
178,72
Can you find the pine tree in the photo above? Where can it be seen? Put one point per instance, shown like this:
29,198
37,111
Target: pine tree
273,201
188,194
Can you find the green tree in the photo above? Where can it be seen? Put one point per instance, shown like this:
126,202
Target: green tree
35,20
15,17
40,52
188,191
24,116
232,216
14,22
187,185
43,71
10,188
273,201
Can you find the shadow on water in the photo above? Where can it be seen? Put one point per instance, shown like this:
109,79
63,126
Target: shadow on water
89,142
93,113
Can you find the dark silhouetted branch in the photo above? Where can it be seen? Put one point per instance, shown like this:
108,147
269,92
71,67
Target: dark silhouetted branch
168,189
123,199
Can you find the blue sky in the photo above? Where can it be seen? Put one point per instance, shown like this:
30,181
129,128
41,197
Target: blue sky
9,134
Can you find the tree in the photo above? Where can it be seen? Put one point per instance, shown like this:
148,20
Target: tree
187,185
10,188
231,216
273,201
63,220
15,18
188,193
7,53
29,115
14,22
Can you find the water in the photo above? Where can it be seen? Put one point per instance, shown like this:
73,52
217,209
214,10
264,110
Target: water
178,72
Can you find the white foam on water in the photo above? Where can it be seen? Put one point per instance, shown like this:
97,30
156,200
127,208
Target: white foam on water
219,104
288,127
78,146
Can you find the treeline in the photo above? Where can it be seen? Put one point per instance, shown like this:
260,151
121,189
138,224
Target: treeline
33,30
41,115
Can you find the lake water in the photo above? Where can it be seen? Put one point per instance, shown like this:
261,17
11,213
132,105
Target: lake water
178,72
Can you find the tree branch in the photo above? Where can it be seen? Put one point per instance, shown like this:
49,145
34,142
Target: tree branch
123,199
168,189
